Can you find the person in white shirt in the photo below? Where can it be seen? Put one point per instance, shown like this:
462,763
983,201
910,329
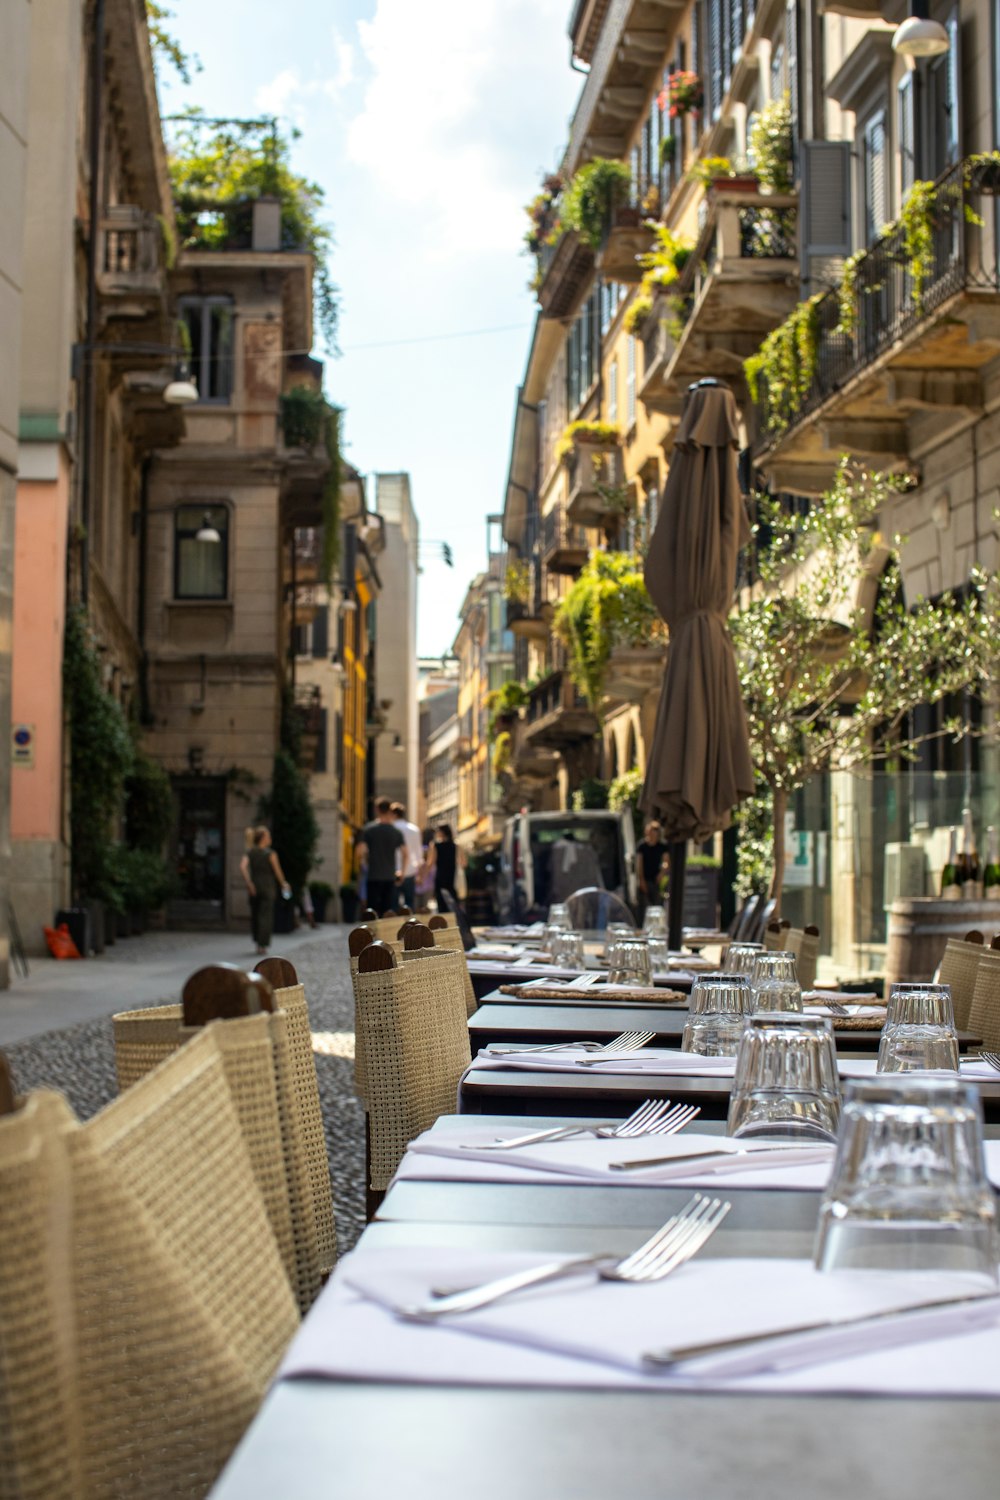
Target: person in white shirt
410,857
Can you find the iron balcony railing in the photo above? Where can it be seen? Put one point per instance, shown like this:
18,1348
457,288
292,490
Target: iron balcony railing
885,300
734,230
558,534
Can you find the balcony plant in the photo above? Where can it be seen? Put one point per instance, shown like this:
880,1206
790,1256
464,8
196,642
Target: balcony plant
667,259
684,94
786,364
504,704
599,434
637,313
517,580
503,750
624,794
595,193
720,171
607,606
771,145
982,172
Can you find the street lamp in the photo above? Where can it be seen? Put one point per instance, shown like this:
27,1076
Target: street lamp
918,35
206,531
181,390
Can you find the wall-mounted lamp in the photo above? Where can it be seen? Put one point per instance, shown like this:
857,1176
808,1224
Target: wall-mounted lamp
180,391
348,606
206,531
918,35
397,744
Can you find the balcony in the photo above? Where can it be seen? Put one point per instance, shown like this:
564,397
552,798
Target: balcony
563,547
566,270
557,717
531,617
635,671
899,357
625,44
595,484
462,750
740,283
627,238
130,273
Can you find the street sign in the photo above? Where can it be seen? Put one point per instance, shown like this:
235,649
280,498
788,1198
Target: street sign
22,750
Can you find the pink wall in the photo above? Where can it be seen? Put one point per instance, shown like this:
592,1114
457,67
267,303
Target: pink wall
39,617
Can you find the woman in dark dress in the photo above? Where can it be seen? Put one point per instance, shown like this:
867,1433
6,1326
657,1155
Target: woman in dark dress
443,859
650,854
261,869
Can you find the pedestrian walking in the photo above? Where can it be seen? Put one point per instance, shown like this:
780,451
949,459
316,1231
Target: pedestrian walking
442,859
411,857
651,853
425,871
261,869
378,844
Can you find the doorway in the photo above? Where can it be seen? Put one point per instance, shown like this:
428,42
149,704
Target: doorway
199,851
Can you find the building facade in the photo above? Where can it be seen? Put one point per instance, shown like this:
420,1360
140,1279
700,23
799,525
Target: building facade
904,380
397,746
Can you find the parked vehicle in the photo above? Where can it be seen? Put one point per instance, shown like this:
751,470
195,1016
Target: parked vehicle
545,857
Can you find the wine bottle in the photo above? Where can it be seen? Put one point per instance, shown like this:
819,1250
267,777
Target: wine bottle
991,873
951,889
971,889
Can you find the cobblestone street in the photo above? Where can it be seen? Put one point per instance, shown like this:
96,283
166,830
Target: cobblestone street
79,1060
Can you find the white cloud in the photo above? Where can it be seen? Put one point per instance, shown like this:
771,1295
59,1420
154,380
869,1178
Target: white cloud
273,98
456,93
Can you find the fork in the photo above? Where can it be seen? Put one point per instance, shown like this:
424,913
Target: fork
624,1043
680,1238
654,1117
623,1046
991,1058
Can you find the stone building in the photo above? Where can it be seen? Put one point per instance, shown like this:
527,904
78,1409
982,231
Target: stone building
397,747
908,383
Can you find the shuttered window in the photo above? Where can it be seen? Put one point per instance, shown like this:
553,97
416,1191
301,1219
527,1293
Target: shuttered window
737,23
906,129
876,203
792,69
715,31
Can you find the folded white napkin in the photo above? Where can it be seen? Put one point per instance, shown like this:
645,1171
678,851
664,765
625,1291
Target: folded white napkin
656,1060
583,1332
973,1067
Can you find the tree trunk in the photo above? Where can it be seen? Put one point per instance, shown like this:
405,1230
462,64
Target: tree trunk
779,806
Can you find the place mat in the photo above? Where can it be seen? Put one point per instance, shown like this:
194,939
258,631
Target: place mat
843,997
514,1167
590,1334
661,996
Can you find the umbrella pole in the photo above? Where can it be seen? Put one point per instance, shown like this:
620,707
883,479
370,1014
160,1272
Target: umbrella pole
675,903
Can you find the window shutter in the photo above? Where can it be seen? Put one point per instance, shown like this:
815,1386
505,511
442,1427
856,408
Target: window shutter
876,197
906,124
953,104
792,52
321,632
715,52
825,200
737,23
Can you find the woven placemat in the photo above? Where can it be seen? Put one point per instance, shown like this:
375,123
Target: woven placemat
658,996
856,1023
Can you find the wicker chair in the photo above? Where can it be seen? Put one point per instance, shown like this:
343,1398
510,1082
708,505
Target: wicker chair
412,1046
287,1146
132,1245
774,938
958,969
804,943
984,1015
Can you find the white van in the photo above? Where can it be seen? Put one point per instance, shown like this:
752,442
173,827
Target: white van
595,848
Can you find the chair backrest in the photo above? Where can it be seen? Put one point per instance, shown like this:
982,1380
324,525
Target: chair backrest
128,1364
773,937
984,1014
276,1058
593,910
804,943
958,967
745,922
763,914
411,1029
457,910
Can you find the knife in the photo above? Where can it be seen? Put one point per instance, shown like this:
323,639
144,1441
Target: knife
809,1154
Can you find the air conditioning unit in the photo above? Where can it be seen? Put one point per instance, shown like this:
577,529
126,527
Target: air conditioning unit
905,872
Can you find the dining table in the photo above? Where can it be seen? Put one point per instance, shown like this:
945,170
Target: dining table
489,974
412,1432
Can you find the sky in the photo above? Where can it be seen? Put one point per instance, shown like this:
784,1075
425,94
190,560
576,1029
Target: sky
429,124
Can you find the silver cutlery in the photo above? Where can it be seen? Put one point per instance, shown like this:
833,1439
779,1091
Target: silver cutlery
683,1352
626,1045
670,1247
627,1042
992,1059
709,1158
654,1117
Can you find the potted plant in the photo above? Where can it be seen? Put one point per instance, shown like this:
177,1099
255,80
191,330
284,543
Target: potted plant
596,198
595,434
715,172
684,94
771,146
349,901
982,172
320,891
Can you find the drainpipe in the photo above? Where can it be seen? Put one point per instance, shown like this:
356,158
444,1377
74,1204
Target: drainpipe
88,391
145,713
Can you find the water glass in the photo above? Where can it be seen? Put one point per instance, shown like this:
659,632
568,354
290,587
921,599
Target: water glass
659,956
559,916
919,1032
630,961
775,982
655,922
909,1189
739,957
567,950
719,1006
616,933
786,1083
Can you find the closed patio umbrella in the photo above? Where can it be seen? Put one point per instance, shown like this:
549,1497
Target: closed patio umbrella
699,763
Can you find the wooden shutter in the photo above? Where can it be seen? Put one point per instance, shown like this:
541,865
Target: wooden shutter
876,197
794,85
714,29
321,632
825,227
737,24
905,124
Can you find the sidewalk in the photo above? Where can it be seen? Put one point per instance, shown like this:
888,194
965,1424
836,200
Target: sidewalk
135,971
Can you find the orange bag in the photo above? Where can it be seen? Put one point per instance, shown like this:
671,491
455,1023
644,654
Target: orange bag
61,945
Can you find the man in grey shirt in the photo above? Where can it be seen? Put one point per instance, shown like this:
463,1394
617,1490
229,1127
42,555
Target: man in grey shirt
379,842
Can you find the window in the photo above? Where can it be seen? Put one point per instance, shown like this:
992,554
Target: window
876,207
904,112
201,568
613,391
630,384
210,324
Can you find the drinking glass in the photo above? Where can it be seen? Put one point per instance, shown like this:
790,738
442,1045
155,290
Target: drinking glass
630,963
739,957
616,933
719,1005
567,950
655,922
775,982
559,916
919,1032
786,1082
659,956
909,1189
